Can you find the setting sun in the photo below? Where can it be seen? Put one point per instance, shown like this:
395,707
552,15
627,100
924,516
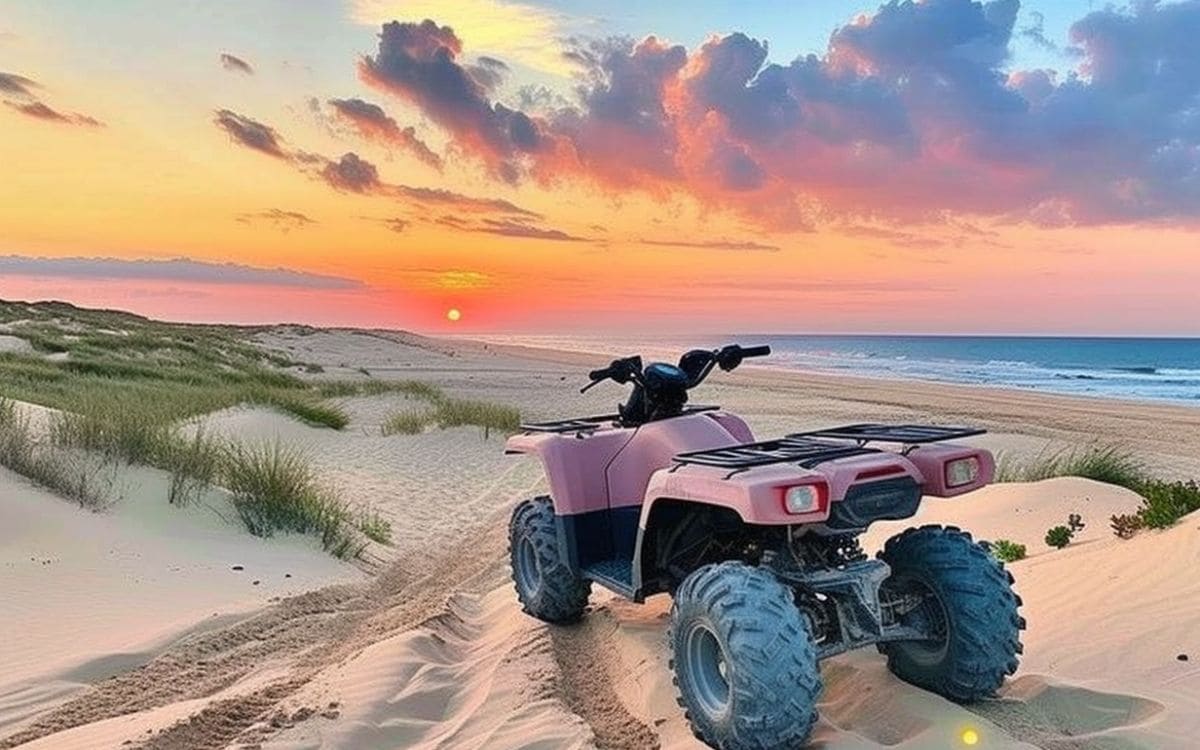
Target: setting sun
453,315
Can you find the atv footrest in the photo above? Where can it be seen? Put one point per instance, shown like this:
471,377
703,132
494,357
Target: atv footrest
792,449
906,434
616,574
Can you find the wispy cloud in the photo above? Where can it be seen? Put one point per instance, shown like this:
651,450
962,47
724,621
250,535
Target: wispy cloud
285,221
714,244
176,269
520,32
350,173
13,84
235,64
251,133
40,111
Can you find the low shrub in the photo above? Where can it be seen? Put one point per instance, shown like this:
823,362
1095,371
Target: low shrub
1126,525
1059,537
1008,551
89,481
1164,503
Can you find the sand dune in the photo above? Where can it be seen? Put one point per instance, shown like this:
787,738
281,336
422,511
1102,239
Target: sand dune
108,636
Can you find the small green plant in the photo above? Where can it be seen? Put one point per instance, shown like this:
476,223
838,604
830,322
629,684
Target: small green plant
1126,525
312,368
375,527
194,463
407,423
1059,537
1164,503
1008,551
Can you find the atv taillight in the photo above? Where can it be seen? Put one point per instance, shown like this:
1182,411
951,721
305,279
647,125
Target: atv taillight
962,471
805,498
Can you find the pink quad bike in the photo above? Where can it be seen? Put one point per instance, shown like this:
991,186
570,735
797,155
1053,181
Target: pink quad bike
758,544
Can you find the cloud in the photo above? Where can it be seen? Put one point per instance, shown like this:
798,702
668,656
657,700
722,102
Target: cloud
370,121
419,63
40,111
11,83
251,133
285,221
235,64
714,244
522,33
911,112
350,173
522,229
177,269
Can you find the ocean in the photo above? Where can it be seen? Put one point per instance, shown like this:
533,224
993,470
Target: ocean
1153,369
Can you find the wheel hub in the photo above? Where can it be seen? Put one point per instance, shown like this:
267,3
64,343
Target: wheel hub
708,670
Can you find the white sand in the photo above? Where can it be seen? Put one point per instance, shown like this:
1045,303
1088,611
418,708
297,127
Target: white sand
431,650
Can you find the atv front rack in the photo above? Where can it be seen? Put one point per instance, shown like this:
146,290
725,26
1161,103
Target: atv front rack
589,424
906,434
805,451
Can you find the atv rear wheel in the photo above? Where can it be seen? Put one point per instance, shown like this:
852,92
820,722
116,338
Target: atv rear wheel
970,607
744,659
546,586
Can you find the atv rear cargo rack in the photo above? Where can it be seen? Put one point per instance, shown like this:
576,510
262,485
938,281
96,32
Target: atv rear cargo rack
905,434
588,424
800,449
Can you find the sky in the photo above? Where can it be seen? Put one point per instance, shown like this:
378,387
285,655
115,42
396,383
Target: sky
941,166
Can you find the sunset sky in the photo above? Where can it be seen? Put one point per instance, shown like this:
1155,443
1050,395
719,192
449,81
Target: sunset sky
943,166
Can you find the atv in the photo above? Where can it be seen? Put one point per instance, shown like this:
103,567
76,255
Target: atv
757,543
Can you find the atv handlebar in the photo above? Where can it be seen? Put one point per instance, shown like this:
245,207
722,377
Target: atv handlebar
697,363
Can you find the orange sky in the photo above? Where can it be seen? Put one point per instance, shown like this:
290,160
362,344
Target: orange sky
158,181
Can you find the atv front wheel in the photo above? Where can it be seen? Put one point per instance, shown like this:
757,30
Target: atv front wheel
744,659
969,608
546,586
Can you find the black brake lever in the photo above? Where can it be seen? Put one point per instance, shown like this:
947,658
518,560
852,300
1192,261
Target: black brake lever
591,385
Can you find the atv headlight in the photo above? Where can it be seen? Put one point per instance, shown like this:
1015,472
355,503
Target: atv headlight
804,498
962,471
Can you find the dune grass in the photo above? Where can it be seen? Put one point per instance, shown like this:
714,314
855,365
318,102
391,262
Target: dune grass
1110,464
1163,503
407,422
86,480
275,489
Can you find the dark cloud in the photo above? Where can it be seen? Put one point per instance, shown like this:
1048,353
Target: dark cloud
40,111
251,133
11,83
352,174
911,112
176,269
285,221
236,64
370,121
418,62
714,244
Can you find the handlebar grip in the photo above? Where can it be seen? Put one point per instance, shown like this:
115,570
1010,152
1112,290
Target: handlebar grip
756,351
600,374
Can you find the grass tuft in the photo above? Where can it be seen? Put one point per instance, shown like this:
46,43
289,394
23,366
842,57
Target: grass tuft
275,489
85,480
407,423
375,527
452,412
1110,464
1007,551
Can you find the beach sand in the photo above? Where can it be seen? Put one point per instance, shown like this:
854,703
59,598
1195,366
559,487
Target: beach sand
130,628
